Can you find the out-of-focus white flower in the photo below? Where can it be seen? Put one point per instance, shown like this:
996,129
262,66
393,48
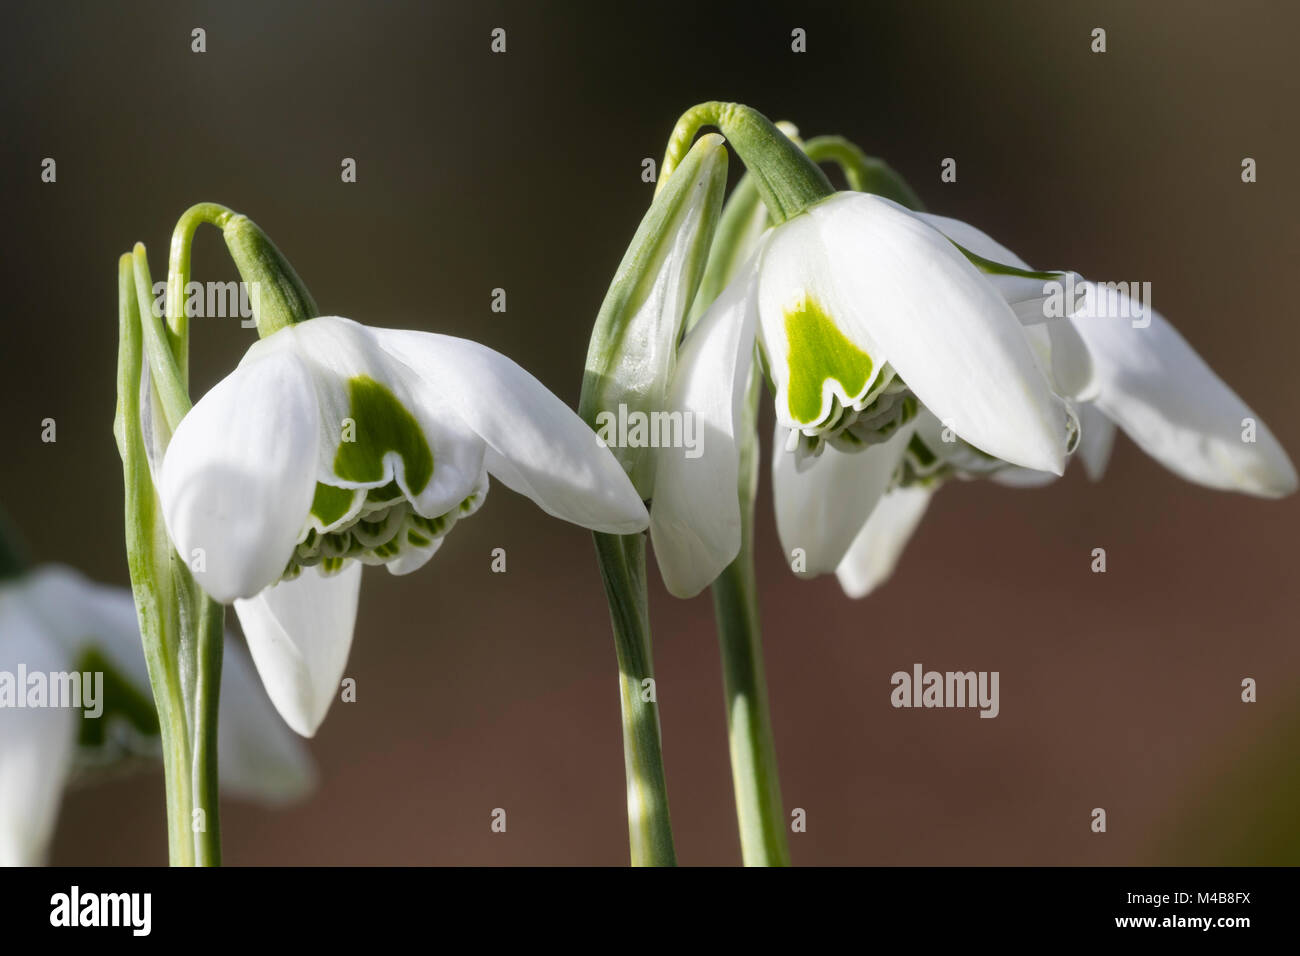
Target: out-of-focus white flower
55,623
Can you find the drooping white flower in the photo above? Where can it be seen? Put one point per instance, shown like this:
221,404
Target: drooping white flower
1149,381
334,445
55,622
1141,376
863,313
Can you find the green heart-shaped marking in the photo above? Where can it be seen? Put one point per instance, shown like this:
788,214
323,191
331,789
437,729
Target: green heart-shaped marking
819,352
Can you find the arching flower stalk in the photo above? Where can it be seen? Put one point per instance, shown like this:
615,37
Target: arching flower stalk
181,627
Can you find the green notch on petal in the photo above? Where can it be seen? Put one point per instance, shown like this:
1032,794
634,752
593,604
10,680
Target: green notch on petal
383,425
819,352
330,503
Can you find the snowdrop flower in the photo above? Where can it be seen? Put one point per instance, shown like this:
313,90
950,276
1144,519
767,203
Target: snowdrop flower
55,622
1141,376
334,445
864,314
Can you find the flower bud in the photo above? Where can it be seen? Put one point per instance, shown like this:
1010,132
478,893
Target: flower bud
633,347
278,296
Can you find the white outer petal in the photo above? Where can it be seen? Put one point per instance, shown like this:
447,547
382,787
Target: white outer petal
1096,440
1169,401
1157,388
821,508
695,520
1071,370
1017,477
36,744
1063,356
941,325
878,546
257,756
299,633
240,474
973,239
536,445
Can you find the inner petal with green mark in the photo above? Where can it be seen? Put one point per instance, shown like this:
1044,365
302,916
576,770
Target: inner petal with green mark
386,529
819,353
376,525
330,504
381,425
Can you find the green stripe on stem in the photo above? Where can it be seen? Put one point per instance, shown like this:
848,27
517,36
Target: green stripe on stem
622,568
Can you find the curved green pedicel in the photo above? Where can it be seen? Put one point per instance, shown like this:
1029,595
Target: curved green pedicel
383,425
819,351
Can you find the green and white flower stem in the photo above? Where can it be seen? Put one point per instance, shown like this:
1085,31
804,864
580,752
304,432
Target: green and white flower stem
622,569
759,811
176,645
181,627
627,364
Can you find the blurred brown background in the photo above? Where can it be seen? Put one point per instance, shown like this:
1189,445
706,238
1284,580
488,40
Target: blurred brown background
478,690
